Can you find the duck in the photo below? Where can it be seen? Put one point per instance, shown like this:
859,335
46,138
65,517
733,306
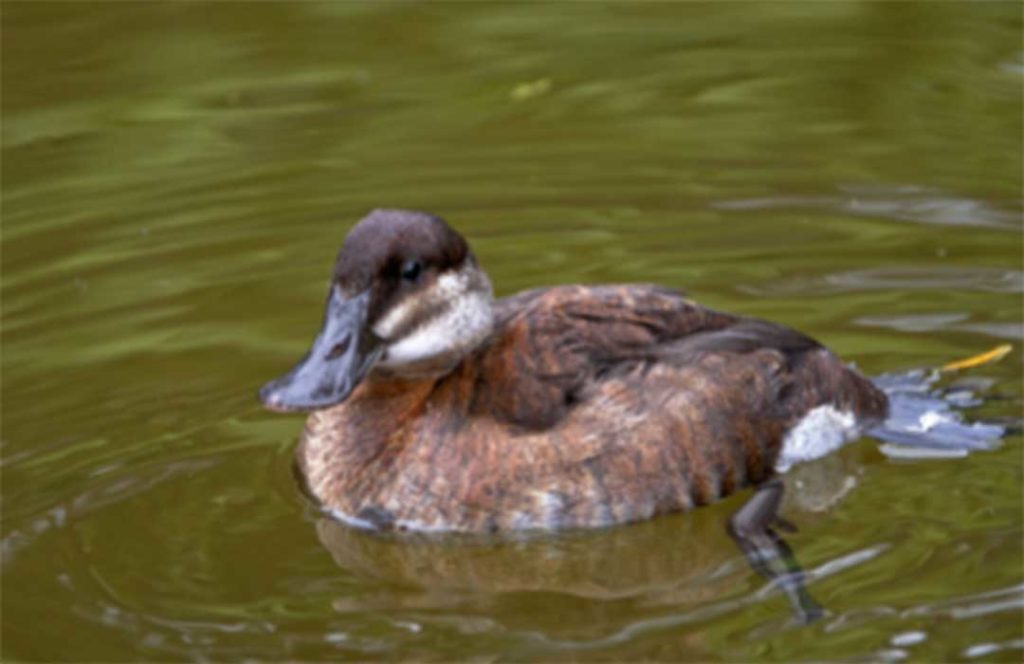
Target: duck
434,406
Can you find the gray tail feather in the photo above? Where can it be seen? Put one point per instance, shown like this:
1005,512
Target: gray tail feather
925,421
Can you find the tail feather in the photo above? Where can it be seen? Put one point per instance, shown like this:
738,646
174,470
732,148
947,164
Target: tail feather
924,420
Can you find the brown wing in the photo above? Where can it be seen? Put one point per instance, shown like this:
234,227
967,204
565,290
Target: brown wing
550,344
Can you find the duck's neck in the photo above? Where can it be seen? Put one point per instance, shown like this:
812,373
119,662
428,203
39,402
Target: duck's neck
350,443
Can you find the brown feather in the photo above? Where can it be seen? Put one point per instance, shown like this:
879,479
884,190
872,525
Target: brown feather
587,406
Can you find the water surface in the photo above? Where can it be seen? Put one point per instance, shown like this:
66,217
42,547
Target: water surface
176,178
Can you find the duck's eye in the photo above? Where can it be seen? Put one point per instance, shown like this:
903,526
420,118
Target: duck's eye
411,270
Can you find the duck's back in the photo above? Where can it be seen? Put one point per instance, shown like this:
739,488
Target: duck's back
599,405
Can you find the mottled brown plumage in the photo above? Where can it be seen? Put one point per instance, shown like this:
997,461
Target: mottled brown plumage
436,408
586,406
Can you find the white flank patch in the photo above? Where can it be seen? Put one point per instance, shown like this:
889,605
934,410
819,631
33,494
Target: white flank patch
465,321
822,431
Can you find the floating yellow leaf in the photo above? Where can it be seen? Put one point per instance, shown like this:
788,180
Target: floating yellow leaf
994,355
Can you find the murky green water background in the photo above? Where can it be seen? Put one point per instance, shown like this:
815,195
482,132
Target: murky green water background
176,178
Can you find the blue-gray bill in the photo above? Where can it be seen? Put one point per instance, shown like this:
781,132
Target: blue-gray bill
342,354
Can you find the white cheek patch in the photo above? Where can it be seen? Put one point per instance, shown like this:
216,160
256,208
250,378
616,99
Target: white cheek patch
462,326
393,320
464,319
823,430
447,288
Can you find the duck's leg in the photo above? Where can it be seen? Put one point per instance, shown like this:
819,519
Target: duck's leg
751,527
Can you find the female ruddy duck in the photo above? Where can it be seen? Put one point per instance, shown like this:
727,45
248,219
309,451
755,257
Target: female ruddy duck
436,407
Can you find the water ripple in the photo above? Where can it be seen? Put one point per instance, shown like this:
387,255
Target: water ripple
946,279
901,203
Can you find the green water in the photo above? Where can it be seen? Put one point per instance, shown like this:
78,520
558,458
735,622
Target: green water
177,176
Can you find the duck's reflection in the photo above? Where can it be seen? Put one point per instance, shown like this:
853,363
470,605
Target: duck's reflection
685,559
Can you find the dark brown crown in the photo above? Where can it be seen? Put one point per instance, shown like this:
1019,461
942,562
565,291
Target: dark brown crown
383,241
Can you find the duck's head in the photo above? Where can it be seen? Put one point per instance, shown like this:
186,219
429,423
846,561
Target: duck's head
406,298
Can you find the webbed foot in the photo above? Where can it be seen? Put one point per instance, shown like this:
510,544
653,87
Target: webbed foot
753,528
